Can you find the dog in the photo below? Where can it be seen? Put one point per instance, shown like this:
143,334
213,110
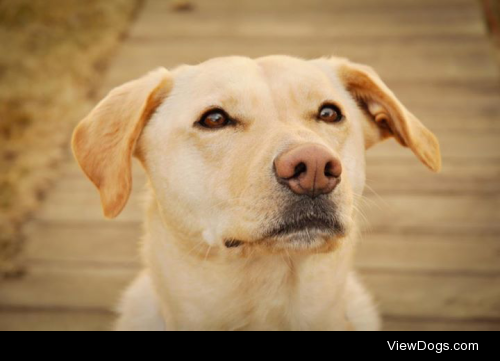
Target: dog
255,169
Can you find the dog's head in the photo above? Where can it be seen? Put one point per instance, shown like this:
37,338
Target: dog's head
242,152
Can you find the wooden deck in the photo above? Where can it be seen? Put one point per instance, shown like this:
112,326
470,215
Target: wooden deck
431,252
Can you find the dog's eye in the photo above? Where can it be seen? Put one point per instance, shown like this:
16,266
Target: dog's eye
215,119
330,114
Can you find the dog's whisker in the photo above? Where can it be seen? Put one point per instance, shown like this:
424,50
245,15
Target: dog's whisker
361,214
207,254
379,197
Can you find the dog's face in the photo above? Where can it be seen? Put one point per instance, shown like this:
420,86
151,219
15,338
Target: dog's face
247,154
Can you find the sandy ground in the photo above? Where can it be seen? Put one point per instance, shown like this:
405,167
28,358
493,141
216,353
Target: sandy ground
56,53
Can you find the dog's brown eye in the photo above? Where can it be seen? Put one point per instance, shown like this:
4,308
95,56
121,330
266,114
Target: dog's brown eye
215,119
330,114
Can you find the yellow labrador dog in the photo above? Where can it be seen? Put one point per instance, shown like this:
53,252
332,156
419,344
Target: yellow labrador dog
255,170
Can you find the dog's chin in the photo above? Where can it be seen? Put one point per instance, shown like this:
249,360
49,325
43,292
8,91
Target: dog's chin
306,221
304,226
306,240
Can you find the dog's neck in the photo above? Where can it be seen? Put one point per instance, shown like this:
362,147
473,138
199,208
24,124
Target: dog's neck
204,287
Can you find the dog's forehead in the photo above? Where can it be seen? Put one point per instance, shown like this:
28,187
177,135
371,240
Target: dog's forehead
230,73
296,79
288,70
260,76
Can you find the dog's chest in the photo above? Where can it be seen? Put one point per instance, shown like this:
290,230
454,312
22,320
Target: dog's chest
267,293
262,298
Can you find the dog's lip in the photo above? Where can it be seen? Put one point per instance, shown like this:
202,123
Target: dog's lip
303,218
233,243
311,225
319,229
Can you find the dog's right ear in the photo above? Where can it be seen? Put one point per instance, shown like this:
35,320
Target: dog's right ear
391,117
105,141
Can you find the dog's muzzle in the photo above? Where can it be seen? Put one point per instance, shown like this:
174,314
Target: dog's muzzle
306,216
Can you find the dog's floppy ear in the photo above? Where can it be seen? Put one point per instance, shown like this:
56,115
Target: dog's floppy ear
386,111
105,141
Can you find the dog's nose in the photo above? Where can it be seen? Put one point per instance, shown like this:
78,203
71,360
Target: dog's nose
309,170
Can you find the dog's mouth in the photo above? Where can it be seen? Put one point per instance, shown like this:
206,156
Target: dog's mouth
303,224
305,220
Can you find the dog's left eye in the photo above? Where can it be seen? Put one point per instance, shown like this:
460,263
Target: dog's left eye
330,114
215,119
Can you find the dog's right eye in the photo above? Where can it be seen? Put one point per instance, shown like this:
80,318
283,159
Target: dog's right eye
215,119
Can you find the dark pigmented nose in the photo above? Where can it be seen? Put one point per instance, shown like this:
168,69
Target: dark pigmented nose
309,170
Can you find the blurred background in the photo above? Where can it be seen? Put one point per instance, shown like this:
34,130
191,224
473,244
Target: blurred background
431,245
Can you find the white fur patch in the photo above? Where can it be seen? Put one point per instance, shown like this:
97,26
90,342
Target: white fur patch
209,237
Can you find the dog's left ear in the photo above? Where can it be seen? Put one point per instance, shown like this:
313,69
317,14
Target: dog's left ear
388,114
105,141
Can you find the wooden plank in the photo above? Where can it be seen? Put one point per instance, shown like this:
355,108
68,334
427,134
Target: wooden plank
305,26
75,245
462,105
57,320
117,245
70,169
52,286
450,60
79,189
456,146
446,116
458,104
467,146
249,7
476,255
418,324
461,100
89,321
443,213
390,176
85,211
84,199
384,176
427,214
452,212
74,182
431,295
455,143
418,295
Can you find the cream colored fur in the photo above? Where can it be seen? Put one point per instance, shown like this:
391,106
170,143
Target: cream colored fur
210,186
